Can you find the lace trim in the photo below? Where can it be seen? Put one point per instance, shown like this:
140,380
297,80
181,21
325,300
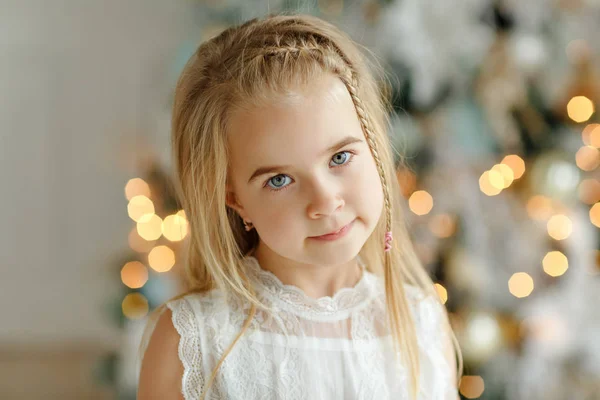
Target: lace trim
293,299
189,350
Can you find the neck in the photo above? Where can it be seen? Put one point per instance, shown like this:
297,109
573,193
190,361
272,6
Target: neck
315,281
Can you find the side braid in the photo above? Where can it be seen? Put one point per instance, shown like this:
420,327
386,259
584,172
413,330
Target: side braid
350,82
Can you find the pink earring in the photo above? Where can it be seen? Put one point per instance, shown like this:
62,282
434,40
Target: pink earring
248,225
388,241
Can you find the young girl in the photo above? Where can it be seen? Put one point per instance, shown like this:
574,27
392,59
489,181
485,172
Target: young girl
298,290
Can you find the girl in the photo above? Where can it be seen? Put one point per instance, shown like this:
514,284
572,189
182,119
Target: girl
298,290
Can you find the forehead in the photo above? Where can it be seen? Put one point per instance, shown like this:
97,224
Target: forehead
293,131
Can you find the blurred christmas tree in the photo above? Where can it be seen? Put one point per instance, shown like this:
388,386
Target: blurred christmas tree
149,271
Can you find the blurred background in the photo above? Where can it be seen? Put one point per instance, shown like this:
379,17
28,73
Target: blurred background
495,111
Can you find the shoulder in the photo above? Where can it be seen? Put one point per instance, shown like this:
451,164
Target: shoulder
173,363
178,329
161,370
195,310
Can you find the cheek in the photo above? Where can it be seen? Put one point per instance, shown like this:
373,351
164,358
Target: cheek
275,222
367,190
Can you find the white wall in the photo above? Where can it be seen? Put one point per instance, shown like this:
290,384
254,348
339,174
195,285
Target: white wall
81,83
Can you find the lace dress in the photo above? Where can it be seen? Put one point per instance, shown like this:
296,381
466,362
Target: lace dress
328,348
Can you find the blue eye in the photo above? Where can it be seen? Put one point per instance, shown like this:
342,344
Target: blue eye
277,182
340,158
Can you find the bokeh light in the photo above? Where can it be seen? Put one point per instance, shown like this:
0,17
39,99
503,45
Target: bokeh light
491,183
134,274
420,202
175,227
595,138
150,228
482,335
471,386
559,227
555,263
135,306
161,258
589,191
136,187
442,292
520,284
140,208
506,172
516,164
590,135
595,214
587,158
580,108
407,181
442,225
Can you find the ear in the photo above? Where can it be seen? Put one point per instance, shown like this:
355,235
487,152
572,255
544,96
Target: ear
232,201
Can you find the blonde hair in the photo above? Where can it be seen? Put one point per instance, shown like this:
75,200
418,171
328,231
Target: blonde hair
251,63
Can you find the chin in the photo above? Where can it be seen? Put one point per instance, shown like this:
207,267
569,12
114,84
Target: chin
331,253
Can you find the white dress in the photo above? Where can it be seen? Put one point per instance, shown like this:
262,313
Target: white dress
328,348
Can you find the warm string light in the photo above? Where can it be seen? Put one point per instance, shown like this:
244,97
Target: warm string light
135,306
134,274
502,175
589,191
580,109
559,227
587,158
136,187
520,284
150,227
140,208
555,263
442,225
407,181
142,239
442,292
471,386
591,135
595,215
420,202
175,227
161,258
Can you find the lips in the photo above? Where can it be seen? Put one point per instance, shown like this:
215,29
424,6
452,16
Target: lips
334,233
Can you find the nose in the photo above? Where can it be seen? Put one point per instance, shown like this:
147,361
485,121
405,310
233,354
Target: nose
325,199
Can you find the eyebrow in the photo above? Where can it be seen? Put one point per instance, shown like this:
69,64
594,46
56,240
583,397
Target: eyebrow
265,170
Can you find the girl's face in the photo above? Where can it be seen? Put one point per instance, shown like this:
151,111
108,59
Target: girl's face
302,168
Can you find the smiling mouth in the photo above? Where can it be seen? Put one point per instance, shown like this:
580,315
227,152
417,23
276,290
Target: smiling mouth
335,234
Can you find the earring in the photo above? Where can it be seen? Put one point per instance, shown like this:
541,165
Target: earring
248,225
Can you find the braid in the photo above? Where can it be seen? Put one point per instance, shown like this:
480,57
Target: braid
363,116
